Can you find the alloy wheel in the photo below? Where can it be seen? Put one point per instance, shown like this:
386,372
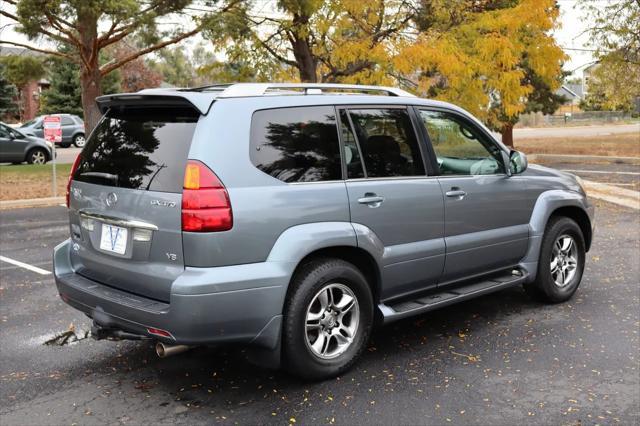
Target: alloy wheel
564,260
332,321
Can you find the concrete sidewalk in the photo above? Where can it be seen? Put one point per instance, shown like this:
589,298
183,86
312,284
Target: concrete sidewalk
613,194
34,202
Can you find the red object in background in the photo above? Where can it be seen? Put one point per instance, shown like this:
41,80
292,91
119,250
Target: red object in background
52,129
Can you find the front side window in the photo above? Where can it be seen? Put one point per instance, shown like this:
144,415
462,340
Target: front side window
296,144
460,147
388,142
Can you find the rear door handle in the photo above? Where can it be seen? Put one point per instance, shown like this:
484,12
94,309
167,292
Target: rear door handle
456,193
371,199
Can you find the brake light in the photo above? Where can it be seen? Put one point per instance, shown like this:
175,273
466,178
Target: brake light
76,162
205,201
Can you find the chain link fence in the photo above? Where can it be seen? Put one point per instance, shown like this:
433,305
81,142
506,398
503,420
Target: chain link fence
538,119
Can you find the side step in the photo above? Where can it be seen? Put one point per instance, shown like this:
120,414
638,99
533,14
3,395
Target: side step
397,310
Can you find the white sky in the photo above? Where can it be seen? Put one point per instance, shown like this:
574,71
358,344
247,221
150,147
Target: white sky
570,36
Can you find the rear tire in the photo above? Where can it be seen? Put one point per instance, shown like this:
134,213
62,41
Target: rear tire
79,140
561,262
328,319
37,156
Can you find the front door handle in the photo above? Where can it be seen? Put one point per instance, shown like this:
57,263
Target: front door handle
371,199
456,192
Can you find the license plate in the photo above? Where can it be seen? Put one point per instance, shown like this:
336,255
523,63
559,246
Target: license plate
114,239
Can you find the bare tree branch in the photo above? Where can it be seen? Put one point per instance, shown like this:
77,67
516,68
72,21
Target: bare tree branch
35,49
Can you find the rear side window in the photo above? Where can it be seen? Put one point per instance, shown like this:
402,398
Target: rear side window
296,144
139,149
388,142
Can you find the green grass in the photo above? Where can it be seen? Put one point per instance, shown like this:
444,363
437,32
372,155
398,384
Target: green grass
35,169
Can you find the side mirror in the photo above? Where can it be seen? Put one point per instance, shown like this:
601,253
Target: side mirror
506,163
518,162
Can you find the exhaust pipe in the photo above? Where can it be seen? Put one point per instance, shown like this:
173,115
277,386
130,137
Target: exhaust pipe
164,350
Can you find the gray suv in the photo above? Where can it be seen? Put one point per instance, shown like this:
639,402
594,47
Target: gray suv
294,217
72,129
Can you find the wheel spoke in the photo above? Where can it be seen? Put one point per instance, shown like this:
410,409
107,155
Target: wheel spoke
566,244
341,338
314,316
554,264
346,303
325,298
319,345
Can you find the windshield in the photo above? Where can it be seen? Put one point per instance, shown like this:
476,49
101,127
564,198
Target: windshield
30,123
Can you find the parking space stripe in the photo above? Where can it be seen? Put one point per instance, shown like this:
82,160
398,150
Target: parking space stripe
25,266
600,171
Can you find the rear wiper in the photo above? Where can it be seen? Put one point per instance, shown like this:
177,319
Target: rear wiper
107,176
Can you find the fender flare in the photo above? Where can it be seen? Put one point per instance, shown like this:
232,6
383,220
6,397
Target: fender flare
547,203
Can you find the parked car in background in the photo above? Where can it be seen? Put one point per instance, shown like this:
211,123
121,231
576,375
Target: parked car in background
72,129
16,147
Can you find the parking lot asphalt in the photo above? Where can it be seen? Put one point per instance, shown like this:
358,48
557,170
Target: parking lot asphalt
624,175
500,359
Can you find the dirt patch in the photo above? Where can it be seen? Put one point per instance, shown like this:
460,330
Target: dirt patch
622,145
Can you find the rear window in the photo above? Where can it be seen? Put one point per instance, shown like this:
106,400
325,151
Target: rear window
296,144
139,149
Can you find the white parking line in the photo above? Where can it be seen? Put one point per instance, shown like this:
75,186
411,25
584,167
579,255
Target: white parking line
601,171
25,266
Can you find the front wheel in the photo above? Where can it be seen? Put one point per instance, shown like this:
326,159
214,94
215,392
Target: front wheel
561,263
79,140
328,319
37,156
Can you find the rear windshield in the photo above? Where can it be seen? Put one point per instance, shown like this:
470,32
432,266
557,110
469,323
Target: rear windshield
139,149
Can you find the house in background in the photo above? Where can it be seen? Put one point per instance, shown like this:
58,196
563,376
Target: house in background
28,99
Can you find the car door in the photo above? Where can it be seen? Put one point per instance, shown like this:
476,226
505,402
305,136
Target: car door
391,194
68,127
12,145
486,212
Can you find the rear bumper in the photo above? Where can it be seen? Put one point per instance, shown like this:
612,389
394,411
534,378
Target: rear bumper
208,306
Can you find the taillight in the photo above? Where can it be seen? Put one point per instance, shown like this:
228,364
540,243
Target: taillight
205,201
76,162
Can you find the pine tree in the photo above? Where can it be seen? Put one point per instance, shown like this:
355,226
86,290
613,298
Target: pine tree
7,94
64,94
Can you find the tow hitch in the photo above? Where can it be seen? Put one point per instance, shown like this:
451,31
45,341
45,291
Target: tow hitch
99,332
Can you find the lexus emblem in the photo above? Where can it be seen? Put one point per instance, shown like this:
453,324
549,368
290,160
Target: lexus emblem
112,199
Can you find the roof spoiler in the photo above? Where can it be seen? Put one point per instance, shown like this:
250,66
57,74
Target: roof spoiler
156,97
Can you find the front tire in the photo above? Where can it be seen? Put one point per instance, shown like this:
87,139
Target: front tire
328,319
561,263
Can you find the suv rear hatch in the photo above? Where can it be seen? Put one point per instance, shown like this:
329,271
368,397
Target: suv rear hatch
125,199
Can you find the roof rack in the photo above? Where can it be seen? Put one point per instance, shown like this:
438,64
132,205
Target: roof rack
238,90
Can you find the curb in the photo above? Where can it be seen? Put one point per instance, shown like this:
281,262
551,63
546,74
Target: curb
33,202
613,194
572,158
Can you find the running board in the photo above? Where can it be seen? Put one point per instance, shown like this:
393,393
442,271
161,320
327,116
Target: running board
393,311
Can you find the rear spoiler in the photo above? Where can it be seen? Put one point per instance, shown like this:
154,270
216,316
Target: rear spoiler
200,101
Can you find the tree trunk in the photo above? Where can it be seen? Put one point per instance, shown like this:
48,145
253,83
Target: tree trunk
307,63
90,83
507,135
90,77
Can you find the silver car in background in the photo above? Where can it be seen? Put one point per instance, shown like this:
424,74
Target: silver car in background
73,132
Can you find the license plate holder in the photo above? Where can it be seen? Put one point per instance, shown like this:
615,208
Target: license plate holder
113,239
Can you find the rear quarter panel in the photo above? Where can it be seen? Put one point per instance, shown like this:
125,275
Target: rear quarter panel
263,207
